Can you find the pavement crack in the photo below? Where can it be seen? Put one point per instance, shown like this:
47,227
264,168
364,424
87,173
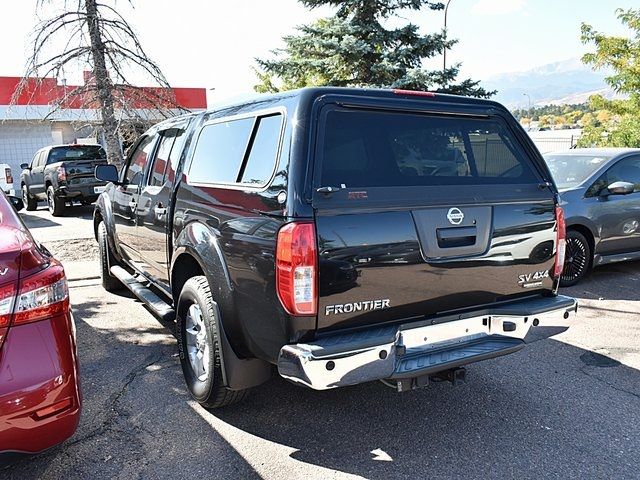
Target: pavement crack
111,407
610,385
113,413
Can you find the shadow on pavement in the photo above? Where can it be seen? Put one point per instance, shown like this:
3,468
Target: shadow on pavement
34,221
550,410
42,218
136,422
606,283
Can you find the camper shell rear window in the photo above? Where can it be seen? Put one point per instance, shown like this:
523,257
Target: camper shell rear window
366,148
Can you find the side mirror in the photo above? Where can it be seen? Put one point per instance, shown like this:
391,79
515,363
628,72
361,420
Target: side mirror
16,202
620,188
107,173
24,166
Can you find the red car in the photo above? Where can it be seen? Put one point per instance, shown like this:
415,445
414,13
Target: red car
39,381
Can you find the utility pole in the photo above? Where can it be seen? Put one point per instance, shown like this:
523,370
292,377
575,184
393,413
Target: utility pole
444,60
528,109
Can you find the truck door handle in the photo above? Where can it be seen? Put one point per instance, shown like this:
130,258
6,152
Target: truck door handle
456,237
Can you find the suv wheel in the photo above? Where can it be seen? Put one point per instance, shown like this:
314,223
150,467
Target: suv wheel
107,260
55,203
30,203
199,346
577,259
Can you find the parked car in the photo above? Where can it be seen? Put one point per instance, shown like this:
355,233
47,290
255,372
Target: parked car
600,193
6,179
40,397
342,235
62,174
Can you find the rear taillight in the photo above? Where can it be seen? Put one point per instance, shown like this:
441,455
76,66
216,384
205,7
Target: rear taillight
7,297
8,176
42,295
297,268
561,244
62,174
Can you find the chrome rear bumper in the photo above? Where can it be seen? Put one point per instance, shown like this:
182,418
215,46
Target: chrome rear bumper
419,348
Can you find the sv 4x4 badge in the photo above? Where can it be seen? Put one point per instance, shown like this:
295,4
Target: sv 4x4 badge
530,280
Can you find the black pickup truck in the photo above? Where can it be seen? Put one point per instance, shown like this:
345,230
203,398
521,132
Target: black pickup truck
62,174
340,235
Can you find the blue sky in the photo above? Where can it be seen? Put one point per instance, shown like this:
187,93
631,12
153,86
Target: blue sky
212,43
498,36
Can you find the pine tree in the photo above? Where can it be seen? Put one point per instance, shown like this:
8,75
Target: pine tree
353,48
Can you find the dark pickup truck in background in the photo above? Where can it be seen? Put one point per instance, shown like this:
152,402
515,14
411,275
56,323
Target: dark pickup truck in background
339,236
62,174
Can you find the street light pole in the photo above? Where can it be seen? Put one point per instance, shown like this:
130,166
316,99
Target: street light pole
444,60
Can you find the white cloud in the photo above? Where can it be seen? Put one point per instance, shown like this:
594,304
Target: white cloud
498,7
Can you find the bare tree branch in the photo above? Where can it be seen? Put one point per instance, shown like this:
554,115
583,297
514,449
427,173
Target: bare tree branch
96,36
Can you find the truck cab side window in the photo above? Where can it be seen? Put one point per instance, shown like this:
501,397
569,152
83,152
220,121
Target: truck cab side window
34,160
219,151
262,158
174,156
37,161
138,160
166,158
159,167
237,152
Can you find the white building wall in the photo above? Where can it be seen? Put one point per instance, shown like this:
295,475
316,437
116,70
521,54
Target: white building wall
549,141
19,141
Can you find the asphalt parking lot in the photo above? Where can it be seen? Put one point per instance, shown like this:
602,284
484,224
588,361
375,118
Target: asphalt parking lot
567,406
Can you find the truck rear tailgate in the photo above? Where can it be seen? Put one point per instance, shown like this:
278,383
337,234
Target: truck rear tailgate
432,214
79,163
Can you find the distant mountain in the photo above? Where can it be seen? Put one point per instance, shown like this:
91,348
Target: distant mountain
569,81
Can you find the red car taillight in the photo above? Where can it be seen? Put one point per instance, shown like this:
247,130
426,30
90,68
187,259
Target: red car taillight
7,297
8,176
561,244
297,268
42,295
62,174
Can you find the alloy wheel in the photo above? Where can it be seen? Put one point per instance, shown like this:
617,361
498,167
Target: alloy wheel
576,261
197,344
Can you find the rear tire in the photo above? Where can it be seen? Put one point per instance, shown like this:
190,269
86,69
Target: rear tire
56,204
199,346
30,203
577,260
107,260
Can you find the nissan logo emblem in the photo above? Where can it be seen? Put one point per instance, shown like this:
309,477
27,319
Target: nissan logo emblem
455,216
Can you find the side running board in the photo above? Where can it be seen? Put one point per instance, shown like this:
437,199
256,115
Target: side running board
156,304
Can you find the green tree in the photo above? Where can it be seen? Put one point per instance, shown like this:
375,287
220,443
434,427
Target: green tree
547,120
618,121
573,116
354,49
571,112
